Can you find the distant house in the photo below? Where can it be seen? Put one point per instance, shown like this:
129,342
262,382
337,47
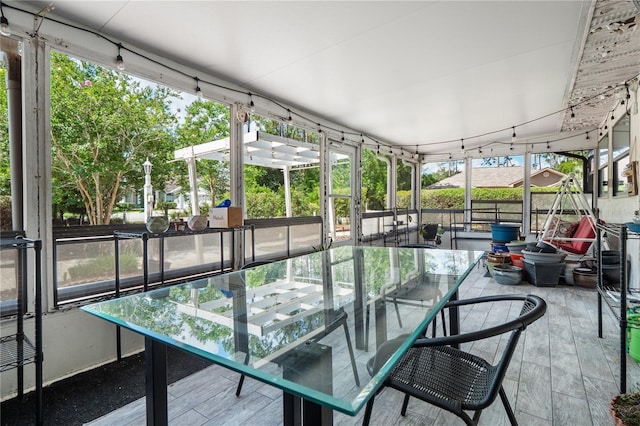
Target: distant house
501,177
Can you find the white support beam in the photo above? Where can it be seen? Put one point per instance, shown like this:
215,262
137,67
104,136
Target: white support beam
287,191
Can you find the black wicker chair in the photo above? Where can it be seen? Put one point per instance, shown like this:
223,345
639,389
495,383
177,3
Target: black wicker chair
452,379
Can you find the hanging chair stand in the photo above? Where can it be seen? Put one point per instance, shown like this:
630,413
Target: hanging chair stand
570,224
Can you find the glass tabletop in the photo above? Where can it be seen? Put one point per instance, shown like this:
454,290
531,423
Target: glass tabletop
307,325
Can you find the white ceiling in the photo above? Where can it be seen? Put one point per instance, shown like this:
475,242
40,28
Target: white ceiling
404,72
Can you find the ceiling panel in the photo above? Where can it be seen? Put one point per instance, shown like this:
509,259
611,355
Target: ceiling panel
404,72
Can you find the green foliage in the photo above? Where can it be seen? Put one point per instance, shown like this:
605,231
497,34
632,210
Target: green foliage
162,205
403,198
448,198
453,198
264,205
104,124
496,193
374,181
205,121
6,220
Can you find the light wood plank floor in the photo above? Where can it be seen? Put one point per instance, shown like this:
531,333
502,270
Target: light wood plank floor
562,374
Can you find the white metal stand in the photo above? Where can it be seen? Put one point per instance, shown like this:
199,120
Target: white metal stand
569,200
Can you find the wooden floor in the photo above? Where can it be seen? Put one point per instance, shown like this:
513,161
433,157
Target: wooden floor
562,374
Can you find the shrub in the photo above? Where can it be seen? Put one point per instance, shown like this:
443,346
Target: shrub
6,220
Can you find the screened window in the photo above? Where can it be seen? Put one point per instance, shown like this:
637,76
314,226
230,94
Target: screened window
620,154
603,167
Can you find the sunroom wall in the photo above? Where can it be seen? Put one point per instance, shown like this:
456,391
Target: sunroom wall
621,208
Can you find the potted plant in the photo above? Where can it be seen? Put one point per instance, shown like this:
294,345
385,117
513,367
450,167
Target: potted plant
431,232
625,409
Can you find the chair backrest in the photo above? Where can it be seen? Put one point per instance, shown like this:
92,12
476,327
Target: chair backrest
533,308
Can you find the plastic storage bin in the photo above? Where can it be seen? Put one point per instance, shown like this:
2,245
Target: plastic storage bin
543,274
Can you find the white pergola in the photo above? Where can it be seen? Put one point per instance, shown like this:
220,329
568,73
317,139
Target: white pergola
260,149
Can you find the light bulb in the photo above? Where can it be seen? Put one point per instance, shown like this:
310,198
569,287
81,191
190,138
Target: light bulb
119,63
198,90
5,30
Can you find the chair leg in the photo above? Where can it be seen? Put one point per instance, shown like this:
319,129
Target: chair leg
507,407
353,358
366,328
240,382
405,403
476,416
367,412
395,303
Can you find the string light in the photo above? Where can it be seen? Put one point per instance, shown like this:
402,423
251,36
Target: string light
343,136
378,151
511,147
628,95
252,106
513,136
587,135
548,146
5,29
289,118
612,117
600,132
198,90
573,114
119,61
462,144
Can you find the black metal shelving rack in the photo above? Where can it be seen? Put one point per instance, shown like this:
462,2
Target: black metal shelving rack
17,350
618,307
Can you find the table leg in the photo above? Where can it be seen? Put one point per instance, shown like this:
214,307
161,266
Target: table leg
299,411
156,382
309,364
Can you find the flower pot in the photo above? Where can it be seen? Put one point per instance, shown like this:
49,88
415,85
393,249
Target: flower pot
625,409
507,274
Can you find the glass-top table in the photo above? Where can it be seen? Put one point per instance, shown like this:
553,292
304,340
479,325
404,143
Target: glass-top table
307,325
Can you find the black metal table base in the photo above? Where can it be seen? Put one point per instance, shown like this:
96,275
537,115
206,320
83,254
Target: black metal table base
299,411
156,382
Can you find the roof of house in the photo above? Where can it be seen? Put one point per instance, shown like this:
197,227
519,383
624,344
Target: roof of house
491,177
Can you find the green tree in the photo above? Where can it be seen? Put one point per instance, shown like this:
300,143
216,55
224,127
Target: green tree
104,124
374,181
205,121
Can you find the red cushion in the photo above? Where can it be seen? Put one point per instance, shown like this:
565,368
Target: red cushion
585,230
